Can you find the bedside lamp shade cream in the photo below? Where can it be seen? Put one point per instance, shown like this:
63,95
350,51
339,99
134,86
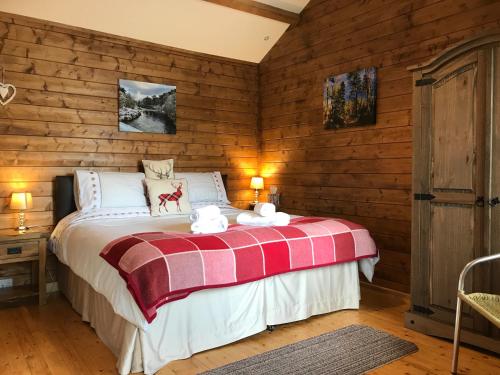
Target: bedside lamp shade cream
257,183
21,201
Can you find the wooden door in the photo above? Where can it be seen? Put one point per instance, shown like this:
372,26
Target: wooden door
447,230
492,209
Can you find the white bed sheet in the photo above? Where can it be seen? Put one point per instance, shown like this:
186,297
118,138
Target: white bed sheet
79,238
207,318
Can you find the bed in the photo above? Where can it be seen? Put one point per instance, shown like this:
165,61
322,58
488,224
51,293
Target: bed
205,319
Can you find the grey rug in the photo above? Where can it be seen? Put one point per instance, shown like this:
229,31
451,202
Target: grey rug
348,351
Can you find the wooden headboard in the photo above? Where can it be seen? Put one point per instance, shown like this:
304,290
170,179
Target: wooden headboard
64,199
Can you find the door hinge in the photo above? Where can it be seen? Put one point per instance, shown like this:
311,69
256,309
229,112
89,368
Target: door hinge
494,201
424,81
423,196
422,310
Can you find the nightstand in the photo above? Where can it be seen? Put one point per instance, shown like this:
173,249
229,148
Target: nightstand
30,246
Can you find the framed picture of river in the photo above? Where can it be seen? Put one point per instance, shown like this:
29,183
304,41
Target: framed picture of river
146,107
349,99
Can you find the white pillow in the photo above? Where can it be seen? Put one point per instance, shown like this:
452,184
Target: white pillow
205,187
87,190
122,189
94,190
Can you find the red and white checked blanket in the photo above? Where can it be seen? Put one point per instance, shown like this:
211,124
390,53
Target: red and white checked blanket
163,267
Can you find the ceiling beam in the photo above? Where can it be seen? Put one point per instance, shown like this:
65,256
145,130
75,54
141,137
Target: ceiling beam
260,9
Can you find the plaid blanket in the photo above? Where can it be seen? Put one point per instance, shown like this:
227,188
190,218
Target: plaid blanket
163,267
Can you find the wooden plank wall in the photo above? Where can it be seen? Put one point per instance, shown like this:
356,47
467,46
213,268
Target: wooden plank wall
65,113
364,173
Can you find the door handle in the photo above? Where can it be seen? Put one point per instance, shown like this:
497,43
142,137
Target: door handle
479,202
493,202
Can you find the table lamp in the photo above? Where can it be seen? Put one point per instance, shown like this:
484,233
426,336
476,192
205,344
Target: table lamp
21,202
257,183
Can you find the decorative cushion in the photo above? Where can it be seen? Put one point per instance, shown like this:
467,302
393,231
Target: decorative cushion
205,187
159,169
168,197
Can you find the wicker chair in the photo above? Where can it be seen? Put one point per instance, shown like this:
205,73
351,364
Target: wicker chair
488,305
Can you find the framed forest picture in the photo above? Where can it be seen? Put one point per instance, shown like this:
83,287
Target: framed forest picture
350,99
147,107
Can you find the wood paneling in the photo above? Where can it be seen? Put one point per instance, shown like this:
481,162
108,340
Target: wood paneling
452,246
64,116
453,126
361,173
65,113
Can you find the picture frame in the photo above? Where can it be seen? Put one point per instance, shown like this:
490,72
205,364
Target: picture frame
146,107
350,99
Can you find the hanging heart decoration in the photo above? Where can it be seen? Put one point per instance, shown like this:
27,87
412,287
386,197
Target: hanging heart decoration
7,93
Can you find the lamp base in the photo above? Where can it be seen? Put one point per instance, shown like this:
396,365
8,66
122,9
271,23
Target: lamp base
21,228
256,197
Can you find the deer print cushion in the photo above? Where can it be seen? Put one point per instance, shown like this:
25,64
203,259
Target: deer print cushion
168,197
159,169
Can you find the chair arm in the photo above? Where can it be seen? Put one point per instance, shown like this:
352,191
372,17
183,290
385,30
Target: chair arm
471,264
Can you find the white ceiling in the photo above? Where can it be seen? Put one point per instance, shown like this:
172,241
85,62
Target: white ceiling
194,25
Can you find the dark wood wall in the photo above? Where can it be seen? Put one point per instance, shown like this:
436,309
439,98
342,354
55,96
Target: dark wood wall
65,113
361,173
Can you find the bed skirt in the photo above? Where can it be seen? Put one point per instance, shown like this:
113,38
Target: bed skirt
214,317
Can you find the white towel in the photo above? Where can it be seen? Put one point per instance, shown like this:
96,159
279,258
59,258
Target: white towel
251,218
205,213
206,226
265,209
281,219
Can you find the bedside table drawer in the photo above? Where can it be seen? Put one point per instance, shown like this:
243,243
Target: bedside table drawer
18,249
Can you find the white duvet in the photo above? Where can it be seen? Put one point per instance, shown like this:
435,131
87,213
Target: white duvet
79,238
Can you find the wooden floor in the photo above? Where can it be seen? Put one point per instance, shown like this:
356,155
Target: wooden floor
53,340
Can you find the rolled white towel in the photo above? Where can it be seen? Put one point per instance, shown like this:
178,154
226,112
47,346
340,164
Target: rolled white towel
251,218
281,219
217,225
265,209
205,213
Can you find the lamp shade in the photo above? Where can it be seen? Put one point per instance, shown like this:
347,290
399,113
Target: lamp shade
21,201
257,183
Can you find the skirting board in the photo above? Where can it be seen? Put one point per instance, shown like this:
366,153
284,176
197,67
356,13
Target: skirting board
385,289
434,328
